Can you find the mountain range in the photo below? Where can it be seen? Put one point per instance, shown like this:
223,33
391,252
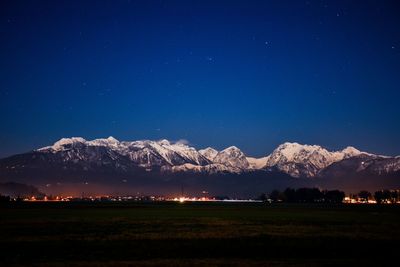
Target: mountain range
108,165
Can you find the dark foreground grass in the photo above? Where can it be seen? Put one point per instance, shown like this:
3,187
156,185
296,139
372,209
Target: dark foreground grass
198,234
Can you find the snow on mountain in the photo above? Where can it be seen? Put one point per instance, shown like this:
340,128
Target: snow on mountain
68,143
232,157
109,142
306,160
144,153
64,143
210,168
363,165
190,154
257,163
350,152
294,159
209,153
148,154
383,165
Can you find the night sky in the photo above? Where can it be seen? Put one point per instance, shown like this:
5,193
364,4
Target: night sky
216,73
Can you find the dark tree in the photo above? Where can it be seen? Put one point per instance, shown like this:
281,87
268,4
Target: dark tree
364,195
333,196
394,196
4,199
262,197
290,195
275,196
378,197
386,195
308,195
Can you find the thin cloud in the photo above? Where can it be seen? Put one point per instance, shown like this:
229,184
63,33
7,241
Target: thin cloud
183,142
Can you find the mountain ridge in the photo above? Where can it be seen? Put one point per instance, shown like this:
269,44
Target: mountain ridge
287,157
164,164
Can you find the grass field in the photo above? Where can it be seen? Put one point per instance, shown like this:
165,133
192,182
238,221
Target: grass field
198,234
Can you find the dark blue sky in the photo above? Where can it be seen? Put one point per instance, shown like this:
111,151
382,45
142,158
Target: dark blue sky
248,73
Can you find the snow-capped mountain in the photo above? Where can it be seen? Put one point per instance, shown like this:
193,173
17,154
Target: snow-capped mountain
110,142
306,160
160,153
232,157
64,144
143,153
294,159
209,152
165,163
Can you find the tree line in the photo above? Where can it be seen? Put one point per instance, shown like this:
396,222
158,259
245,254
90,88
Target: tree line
305,195
315,195
382,196
6,199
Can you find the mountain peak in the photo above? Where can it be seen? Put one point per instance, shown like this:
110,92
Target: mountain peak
70,140
107,142
290,144
290,150
233,157
297,145
112,139
231,148
67,141
351,151
209,153
59,145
